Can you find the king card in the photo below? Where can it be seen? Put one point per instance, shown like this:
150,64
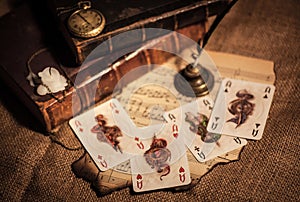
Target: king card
241,109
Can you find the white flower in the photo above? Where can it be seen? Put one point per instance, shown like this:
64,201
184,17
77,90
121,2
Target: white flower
52,81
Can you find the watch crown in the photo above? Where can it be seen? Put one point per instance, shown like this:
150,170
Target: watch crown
84,4
85,7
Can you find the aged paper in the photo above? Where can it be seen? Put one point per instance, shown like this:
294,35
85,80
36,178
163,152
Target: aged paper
244,68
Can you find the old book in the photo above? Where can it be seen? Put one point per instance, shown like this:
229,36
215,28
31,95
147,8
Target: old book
27,30
129,15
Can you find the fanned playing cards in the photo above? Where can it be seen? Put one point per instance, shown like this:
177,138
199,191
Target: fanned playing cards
183,139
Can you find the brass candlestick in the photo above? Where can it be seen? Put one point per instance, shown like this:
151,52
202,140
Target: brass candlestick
194,81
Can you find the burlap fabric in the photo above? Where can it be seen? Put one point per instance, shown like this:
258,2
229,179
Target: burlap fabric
34,168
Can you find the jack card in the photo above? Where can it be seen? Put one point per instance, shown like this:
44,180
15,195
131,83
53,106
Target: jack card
241,109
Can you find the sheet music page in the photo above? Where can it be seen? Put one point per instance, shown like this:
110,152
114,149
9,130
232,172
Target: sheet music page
244,68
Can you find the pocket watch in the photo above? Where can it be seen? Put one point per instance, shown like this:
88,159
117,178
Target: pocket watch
86,22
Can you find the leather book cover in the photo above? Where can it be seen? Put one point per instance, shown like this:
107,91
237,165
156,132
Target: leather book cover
28,34
24,31
122,16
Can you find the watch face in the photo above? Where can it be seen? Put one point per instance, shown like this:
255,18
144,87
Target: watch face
86,23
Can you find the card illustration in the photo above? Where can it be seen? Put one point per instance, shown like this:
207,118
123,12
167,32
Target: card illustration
107,134
158,156
193,120
241,108
198,124
101,135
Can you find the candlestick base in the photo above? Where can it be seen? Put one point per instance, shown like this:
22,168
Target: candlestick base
197,78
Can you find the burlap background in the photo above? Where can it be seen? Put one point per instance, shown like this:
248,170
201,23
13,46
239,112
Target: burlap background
34,168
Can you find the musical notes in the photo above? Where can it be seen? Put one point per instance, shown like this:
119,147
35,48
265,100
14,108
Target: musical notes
147,102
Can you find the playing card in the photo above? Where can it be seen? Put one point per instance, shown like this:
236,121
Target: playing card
164,163
152,174
241,109
97,131
193,121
